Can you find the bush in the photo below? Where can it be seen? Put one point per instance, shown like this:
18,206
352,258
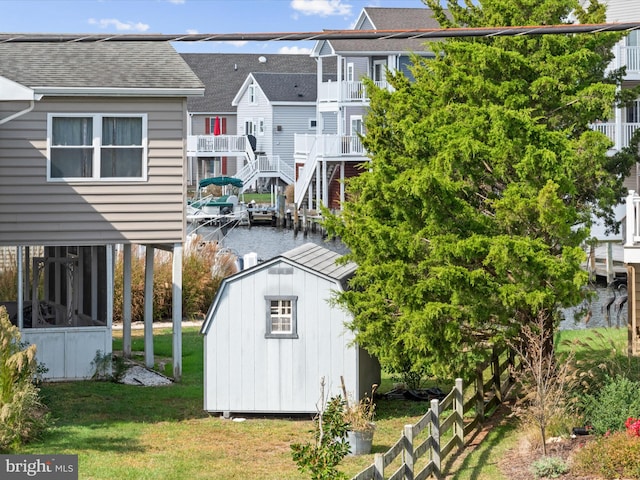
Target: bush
321,457
609,409
549,467
612,456
23,417
204,266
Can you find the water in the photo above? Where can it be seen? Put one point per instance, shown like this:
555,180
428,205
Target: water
617,313
266,241
269,242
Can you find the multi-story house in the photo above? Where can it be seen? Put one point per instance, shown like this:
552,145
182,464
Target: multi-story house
215,115
335,152
91,157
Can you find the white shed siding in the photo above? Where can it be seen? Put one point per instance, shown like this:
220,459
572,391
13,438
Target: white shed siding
34,211
293,119
246,372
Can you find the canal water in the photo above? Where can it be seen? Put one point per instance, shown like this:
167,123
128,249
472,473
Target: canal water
268,242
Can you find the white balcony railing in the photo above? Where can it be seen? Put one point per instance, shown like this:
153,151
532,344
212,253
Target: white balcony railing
620,135
203,145
329,145
630,58
345,91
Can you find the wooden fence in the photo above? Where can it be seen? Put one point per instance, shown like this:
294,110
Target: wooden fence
422,457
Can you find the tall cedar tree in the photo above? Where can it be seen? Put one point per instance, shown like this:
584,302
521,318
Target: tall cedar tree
484,178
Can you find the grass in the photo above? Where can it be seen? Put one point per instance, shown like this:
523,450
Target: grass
129,432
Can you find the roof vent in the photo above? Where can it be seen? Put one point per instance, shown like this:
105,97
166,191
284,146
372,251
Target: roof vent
262,59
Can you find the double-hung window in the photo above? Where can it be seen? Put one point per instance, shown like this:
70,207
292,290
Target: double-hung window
281,317
97,147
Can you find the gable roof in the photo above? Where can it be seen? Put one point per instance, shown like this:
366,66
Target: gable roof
123,68
387,19
283,87
321,260
224,74
309,257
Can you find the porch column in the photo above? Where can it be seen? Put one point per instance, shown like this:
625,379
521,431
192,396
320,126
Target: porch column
325,184
20,289
148,307
632,314
126,300
318,184
110,260
342,165
94,281
176,302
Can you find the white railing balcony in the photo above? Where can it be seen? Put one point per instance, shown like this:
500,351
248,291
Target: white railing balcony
334,146
216,145
632,228
620,134
629,57
355,92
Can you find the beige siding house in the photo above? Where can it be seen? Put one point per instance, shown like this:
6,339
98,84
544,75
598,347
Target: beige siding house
92,160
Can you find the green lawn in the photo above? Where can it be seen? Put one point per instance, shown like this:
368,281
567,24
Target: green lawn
130,432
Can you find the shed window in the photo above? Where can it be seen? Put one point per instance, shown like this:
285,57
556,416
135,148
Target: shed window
281,317
97,147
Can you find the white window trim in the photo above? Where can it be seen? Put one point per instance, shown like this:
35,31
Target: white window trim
293,334
253,94
261,127
96,146
311,124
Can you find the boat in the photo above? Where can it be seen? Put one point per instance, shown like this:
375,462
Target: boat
223,210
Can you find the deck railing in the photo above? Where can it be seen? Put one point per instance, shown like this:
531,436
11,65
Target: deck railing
329,145
344,91
211,144
620,135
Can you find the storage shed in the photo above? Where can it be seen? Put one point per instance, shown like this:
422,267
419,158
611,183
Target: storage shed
272,334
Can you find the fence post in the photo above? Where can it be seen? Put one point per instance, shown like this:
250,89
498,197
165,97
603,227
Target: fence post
495,367
378,463
459,408
435,436
407,452
480,393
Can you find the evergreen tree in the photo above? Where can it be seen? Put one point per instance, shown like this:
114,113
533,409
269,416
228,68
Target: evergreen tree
484,179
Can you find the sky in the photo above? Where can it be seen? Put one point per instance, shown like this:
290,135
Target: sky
190,16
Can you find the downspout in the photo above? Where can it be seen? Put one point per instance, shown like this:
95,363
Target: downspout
32,105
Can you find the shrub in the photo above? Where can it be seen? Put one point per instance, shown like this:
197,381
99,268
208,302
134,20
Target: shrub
321,457
204,266
549,467
609,409
612,456
23,417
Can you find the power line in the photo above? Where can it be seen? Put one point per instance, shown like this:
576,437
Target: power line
427,33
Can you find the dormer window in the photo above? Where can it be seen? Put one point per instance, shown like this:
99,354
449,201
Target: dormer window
97,147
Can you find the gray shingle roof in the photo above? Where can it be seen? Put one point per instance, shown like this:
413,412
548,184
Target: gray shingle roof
320,259
391,19
127,65
224,74
288,87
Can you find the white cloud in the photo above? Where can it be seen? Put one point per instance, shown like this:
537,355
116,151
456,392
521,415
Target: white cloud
238,43
120,26
295,50
177,2
192,31
323,8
